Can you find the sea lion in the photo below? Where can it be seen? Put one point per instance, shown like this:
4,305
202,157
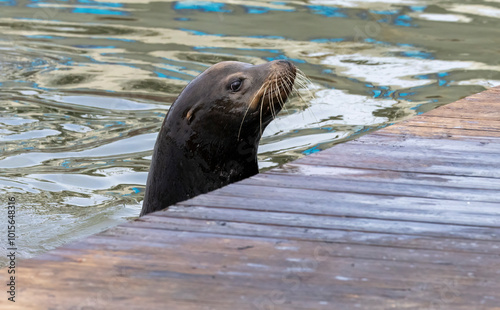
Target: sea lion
211,133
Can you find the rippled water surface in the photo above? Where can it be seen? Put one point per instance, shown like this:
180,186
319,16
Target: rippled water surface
85,84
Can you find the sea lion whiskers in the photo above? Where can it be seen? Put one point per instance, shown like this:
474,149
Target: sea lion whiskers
303,76
283,85
298,83
261,108
279,98
248,108
303,82
271,106
289,87
276,89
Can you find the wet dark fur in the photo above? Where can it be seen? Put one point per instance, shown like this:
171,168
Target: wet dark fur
210,135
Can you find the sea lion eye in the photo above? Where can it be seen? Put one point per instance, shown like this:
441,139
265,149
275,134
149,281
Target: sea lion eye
236,85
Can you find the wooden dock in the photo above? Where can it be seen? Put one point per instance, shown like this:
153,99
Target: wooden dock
405,218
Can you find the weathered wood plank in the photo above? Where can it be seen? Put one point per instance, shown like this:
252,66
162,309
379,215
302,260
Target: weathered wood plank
306,201
413,143
325,183
455,123
238,250
335,222
447,133
400,177
405,163
316,234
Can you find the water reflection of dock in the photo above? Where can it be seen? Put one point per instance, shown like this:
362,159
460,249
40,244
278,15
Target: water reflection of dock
405,218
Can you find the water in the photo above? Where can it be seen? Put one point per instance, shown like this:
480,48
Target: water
85,84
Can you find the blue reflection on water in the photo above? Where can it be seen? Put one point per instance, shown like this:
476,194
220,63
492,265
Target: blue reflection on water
406,94
327,11
8,3
201,33
371,40
96,11
405,44
382,92
163,75
416,107
40,1
116,39
96,3
417,54
386,12
362,130
115,123
261,10
203,6
314,149
285,57
93,46
391,17
418,8
42,37
422,77
136,190
404,20
259,49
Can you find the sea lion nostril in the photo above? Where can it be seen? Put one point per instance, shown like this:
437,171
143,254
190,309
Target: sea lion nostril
287,63
283,61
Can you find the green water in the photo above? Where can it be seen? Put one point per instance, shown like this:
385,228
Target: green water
84,86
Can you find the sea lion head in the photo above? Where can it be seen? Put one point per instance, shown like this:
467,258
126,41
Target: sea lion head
211,133
234,98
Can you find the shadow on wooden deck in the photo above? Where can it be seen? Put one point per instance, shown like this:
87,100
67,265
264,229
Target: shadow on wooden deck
405,218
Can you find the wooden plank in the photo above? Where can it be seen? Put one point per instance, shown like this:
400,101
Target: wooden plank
326,183
454,157
456,123
481,106
405,162
234,248
314,202
306,201
447,133
375,176
398,140
308,221
316,234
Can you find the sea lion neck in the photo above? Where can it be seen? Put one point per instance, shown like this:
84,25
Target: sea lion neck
184,169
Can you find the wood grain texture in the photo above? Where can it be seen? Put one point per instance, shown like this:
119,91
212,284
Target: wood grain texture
405,218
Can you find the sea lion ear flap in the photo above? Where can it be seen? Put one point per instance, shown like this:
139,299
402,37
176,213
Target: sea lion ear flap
190,115
191,112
